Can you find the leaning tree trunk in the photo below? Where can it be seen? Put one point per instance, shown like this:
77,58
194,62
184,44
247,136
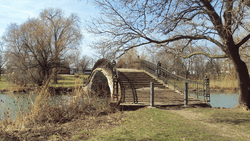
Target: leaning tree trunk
244,84
244,80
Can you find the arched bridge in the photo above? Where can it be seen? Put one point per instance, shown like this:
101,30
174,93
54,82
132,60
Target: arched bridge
131,85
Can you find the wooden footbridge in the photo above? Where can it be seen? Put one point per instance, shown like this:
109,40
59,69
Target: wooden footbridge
131,86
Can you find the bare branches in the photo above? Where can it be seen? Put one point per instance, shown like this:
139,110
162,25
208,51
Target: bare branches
162,22
131,47
41,44
244,40
206,54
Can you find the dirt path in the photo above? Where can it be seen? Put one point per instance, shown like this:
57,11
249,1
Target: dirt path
219,129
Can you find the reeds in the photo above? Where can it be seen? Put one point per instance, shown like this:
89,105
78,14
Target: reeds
45,111
229,83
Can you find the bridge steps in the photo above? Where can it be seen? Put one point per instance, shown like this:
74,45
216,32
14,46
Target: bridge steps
143,95
141,82
138,79
127,86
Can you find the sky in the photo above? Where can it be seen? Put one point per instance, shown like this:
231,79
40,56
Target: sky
19,11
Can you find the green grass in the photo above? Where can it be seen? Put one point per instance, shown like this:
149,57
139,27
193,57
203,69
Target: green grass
77,137
69,81
235,118
157,124
64,81
4,84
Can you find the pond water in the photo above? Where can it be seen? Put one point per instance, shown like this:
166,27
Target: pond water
12,103
224,100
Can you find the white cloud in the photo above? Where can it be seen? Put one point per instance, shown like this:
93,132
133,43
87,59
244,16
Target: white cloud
5,6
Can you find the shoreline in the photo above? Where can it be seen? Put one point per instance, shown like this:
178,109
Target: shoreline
224,90
65,90
53,90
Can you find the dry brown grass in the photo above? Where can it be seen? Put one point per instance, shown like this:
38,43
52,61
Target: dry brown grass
227,83
223,84
43,117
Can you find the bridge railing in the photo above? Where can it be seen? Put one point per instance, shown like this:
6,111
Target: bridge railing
198,89
101,63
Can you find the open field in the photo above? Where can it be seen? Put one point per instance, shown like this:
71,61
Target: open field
65,80
4,84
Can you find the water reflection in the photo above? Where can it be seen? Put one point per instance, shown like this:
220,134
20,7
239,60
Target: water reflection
224,100
10,104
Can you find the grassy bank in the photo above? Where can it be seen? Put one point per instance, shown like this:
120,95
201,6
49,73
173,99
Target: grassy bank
157,124
231,118
4,84
219,85
66,81
69,80
224,85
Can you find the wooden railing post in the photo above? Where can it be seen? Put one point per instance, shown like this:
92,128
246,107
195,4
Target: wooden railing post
151,94
207,93
115,81
186,94
158,69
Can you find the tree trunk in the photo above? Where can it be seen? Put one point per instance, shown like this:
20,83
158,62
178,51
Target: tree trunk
244,80
55,78
187,74
244,84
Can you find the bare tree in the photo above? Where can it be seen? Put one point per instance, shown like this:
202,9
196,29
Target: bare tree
75,60
128,59
203,22
2,59
40,45
84,63
103,51
79,62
